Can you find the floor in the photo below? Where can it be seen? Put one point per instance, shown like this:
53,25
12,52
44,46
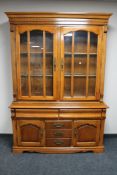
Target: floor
58,164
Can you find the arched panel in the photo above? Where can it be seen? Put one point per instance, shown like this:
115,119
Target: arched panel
87,133
30,133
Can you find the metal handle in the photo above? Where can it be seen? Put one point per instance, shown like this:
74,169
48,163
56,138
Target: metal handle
54,64
58,133
58,125
58,142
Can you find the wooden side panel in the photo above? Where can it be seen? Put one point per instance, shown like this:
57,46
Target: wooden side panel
13,60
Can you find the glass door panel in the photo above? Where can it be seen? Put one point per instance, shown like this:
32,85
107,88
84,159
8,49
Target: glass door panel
38,63
68,43
93,42
79,86
80,64
80,41
49,42
49,63
91,86
92,64
36,85
67,86
36,41
24,64
49,86
67,63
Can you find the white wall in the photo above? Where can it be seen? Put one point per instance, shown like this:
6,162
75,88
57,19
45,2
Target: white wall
110,95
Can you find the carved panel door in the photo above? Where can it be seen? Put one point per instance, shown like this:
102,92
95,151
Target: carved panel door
30,132
86,132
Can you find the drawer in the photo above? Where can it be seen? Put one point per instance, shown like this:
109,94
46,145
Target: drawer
58,142
37,113
80,113
57,124
59,133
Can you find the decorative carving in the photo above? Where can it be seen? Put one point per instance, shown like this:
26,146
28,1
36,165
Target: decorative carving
13,114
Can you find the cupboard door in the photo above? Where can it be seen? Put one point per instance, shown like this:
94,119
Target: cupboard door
86,132
30,133
36,65
80,62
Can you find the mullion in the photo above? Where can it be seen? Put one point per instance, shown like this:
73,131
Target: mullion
44,65
88,56
29,80
72,67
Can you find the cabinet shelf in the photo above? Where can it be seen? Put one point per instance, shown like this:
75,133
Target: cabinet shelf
23,53
78,53
37,75
79,75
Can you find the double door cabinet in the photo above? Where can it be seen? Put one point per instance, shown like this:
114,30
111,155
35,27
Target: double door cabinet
58,62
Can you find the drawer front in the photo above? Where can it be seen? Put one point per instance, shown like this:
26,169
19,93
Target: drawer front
58,142
37,113
56,124
59,133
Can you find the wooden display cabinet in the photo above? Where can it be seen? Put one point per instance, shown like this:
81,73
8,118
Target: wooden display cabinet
58,62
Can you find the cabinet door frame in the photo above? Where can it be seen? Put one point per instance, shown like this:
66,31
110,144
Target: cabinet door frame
27,28
97,30
35,123
82,123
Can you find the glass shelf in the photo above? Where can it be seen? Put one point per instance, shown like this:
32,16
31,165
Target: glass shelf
79,75
75,53
36,75
22,53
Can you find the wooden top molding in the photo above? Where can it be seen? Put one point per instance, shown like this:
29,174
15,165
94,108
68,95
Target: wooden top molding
58,105
48,18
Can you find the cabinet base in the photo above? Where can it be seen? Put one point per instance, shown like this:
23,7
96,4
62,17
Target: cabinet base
98,149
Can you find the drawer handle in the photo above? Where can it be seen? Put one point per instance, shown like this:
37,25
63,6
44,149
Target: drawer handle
58,125
58,142
58,133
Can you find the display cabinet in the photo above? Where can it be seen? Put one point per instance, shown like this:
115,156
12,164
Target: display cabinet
58,62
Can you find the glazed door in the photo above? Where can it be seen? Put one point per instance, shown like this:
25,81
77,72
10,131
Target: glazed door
36,62
30,133
86,132
80,63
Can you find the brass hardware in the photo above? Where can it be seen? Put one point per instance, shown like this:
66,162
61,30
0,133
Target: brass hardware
62,64
58,142
58,125
58,133
54,64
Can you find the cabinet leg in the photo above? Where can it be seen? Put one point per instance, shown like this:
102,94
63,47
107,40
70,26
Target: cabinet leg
17,151
98,150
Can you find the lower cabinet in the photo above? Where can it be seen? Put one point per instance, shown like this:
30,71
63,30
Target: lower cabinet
74,132
86,132
30,132
58,133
